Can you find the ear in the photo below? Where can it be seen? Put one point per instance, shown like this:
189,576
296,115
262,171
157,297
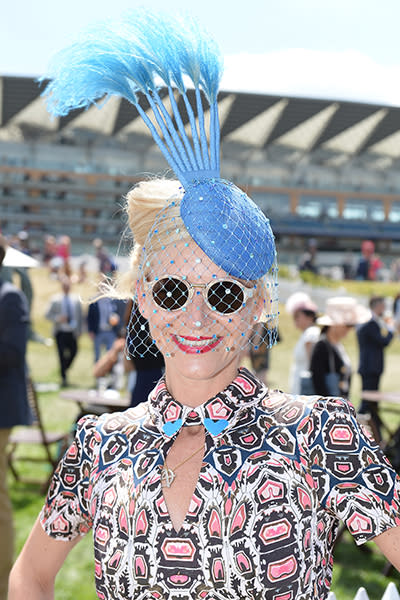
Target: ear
142,300
261,301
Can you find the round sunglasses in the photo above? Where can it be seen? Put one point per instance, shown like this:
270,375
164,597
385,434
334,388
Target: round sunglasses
224,296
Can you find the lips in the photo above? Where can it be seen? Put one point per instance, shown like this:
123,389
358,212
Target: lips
196,345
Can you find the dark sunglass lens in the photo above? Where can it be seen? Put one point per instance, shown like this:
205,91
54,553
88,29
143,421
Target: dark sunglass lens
226,297
170,293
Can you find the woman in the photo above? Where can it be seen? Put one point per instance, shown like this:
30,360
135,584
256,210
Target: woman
304,313
209,490
330,364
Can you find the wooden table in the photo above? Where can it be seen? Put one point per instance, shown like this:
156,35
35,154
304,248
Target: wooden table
392,404
377,396
85,398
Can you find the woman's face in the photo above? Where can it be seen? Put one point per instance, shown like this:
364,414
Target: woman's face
340,331
301,320
194,339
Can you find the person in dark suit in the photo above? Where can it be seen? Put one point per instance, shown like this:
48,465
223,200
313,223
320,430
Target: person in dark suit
104,319
65,312
373,336
14,407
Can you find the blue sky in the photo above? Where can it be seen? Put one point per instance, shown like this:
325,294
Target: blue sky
333,49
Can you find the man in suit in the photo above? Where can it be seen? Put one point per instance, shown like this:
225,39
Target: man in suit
104,320
65,312
14,407
373,336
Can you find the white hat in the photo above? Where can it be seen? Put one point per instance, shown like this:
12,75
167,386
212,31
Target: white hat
300,301
343,310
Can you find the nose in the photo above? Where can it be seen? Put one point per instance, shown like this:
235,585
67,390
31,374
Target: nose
198,314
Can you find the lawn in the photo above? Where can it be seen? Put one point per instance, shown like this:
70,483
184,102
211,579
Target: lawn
353,568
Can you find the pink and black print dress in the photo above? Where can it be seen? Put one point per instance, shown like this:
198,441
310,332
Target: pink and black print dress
278,472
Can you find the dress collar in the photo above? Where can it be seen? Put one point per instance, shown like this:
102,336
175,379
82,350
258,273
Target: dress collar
218,413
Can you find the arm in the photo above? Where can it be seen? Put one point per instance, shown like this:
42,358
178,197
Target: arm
34,572
309,348
104,365
374,334
53,311
388,543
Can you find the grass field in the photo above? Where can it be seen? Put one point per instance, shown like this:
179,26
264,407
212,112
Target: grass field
353,568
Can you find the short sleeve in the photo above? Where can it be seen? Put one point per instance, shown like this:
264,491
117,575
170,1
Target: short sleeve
66,513
353,478
311,335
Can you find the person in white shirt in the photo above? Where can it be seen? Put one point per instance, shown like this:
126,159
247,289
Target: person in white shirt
304,312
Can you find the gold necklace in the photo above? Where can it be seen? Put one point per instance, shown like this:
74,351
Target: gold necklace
168,475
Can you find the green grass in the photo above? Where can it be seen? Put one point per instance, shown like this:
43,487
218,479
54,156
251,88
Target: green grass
353,568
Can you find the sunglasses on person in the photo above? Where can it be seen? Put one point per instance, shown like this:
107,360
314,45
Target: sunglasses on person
224,296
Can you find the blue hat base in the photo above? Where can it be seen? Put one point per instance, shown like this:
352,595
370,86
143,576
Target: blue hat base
229,227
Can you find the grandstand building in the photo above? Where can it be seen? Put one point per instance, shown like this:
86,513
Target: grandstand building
320,169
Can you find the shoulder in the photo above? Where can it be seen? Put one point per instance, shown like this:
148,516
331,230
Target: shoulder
321,346
7,288
333,425
371,324
287,409
122,423
311,334
11,295
294,407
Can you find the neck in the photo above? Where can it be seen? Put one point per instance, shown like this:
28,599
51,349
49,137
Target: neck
332,337
194,391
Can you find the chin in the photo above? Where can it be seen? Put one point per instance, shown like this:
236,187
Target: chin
201,366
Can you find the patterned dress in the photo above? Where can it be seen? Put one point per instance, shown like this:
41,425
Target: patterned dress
278,472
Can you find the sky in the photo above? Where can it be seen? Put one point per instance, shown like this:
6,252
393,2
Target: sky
328,49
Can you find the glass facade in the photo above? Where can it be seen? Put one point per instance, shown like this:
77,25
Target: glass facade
272,203
317,207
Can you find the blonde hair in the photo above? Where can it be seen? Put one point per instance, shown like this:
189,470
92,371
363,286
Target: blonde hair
156,201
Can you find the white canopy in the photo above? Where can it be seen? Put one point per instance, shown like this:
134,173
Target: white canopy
15,258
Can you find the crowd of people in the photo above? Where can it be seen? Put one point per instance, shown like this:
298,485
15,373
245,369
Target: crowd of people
321,364
216,486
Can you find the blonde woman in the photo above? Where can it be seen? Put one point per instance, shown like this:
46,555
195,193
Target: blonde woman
216,487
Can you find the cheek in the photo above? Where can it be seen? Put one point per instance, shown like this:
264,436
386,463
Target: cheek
162,321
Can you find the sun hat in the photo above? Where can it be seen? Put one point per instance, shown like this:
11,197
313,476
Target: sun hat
300,301
343,310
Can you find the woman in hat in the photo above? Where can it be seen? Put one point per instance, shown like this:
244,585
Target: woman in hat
304,313
330,364
215,488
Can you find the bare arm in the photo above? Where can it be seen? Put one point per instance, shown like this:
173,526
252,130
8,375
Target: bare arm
389,544
309,347
35,570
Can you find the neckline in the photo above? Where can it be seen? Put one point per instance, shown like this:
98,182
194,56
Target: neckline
220,412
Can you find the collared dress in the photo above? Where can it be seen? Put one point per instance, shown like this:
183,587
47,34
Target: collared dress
278,473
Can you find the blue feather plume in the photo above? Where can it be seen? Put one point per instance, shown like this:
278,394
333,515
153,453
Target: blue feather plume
140,53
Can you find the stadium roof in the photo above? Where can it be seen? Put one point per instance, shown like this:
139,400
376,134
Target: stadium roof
332,132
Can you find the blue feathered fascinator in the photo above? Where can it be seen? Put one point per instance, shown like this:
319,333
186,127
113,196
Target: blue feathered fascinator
138,55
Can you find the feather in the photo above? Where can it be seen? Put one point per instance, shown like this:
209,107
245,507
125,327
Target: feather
139,53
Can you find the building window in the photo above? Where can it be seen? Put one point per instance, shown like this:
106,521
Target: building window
376,210
317,207
271,203
394,215
355,210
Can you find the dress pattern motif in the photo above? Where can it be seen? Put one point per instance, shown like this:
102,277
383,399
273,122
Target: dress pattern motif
278,472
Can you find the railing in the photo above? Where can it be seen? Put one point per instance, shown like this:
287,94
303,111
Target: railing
391,593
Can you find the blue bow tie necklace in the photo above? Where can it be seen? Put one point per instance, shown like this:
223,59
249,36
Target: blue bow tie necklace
214,427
